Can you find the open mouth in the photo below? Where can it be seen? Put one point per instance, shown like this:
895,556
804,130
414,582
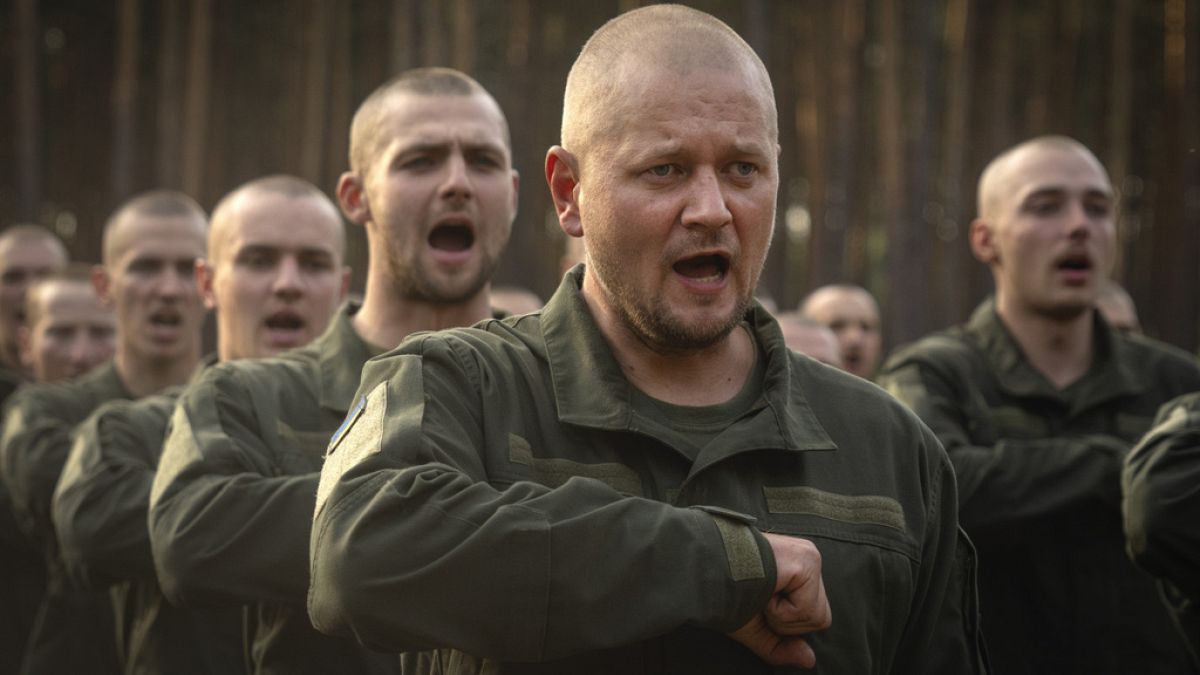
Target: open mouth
452,237
1075,264
166,319
285,320
703,268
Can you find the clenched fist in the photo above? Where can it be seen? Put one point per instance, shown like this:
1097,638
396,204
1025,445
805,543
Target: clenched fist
798,607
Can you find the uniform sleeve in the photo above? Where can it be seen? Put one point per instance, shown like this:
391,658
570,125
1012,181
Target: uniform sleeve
33,449
943,635
1013,480
413,549
103,496
1162,497
225,527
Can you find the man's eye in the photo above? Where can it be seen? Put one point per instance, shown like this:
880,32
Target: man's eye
1098,210
417,163
744,169
485,161
256,261
1043,208
661,171
316,264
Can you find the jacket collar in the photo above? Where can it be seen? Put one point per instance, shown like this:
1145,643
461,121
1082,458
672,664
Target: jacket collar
106,382
591,390
1109,376
341,354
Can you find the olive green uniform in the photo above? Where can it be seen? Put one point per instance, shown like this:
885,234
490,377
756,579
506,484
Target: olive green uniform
74,630
1162,509
1039,486
501,497
232,501
100,510
22,572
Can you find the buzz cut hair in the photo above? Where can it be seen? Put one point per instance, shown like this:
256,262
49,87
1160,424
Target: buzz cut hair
676,37
31,232
73,273
366,126
988,190
153,203
290,187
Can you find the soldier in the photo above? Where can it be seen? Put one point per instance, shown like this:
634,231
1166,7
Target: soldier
27,253
1037,401
150,247
587,489
810,338
853,315
431,179
1161,482
275,276
67,331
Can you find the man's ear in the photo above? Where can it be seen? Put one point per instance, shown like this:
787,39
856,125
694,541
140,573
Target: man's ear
562,174
516,195
102,284
205,274
983,241
352,197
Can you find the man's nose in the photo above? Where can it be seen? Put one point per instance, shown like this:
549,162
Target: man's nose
287,278
457,181
706,205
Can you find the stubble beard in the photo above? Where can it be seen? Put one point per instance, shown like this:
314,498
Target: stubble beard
651,319
412,281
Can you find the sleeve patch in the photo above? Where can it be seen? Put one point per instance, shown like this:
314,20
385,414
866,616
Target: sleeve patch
741,549
360,436
179,451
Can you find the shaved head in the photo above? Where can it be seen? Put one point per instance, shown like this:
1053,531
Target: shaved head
367,126
225,219
999,180
153,204
675,38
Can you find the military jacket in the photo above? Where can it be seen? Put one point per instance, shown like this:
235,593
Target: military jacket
1039,487
74,629
22,572
494,499
1162,509
232,500
100,509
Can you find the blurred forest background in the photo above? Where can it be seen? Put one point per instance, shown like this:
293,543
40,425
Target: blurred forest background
888,111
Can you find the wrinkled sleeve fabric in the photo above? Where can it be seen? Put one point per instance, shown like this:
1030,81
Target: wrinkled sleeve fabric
225,526
1162,497
413,549
33,448
943,635
103,496
1012,480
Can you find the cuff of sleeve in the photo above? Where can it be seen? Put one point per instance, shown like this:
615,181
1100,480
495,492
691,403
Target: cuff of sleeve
750,571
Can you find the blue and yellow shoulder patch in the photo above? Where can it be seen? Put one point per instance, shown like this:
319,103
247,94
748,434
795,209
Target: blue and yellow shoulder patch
359,436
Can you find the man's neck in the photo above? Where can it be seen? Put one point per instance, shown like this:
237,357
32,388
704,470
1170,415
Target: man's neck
1061,349
142,376
385,319
695,377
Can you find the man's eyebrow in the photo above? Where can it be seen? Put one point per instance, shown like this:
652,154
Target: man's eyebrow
264,246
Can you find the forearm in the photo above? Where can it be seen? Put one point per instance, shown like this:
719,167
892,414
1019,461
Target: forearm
424,557
100,521
1026,481
233,539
